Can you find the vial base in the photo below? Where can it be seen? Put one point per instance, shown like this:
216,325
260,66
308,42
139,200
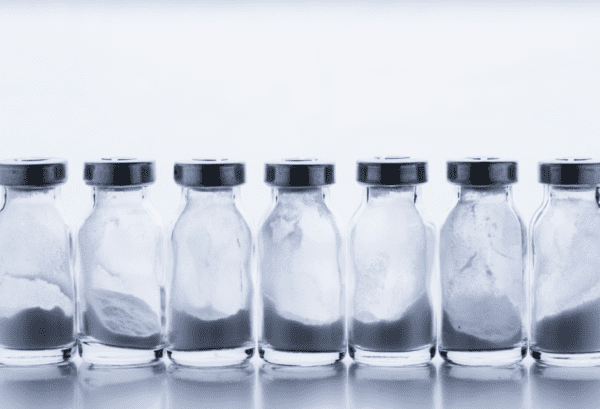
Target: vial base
274,356
416,357
501,357
554,359
100,354
28,357
212,358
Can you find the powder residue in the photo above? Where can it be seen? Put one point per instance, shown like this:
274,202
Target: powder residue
300,250
290,335
37,328
189,333
573,331
482,248
123,320
412,331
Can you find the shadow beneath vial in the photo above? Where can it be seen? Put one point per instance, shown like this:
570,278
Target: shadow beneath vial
123,387
562,387
483,386
391,387
293,387
45,386
225,387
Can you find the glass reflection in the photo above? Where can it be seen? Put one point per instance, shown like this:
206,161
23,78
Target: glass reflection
293,387
389,387
560,387
46,386
489,387
123,387
227,387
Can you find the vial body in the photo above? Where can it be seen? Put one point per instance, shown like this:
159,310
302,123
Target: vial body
210,302
121,298
483,282
301,281
36,284
565,287
391,319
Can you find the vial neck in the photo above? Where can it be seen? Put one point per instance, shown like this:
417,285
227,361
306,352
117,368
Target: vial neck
379,195
485,195
209,196
573,193
306,195
21,196
107,197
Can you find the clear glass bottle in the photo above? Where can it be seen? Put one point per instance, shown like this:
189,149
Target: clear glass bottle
121,298
300,267
36,282
391,319
565,285
210,295
482,267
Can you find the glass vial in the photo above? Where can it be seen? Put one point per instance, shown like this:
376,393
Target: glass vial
210,295
36,283
299,263
120,295
391,320
565,287
482,267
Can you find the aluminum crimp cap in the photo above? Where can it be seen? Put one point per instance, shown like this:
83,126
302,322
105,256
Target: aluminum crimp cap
119,172
299,172
209,173
391,171
33,172
570,171
482,171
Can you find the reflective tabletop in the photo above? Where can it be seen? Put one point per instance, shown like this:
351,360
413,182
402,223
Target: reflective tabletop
261,385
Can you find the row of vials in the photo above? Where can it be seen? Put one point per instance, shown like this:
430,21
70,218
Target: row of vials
482,292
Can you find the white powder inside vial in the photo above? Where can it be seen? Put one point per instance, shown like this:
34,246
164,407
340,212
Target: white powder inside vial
567,272
481,256
390,266
212,250
300,255
18,294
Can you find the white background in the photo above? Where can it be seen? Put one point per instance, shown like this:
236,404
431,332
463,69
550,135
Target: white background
260,81
339,81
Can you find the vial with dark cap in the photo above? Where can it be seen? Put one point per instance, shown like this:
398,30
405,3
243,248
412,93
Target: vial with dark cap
36,284
209,314
482,267
391,246
300,266
120,289
565,285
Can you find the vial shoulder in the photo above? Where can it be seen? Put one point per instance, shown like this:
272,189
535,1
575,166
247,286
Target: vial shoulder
582,217
142,223
213,221
36,218
295,219
389,220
